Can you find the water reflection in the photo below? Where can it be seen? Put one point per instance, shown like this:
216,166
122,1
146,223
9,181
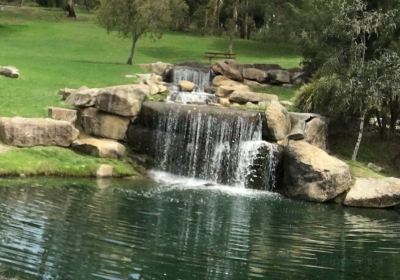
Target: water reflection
139,230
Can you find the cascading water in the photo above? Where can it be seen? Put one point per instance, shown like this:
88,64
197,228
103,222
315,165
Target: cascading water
213,144
200,77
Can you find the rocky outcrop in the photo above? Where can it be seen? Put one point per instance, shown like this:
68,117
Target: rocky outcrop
121,100
155,83
243,97
84,97
311,174
158,68
103,148
278,121
97,123
374,193
63,114
257,74
228,69
9,72
186,86
23,132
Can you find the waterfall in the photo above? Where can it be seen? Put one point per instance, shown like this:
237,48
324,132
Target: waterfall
199,77
202,80
213,144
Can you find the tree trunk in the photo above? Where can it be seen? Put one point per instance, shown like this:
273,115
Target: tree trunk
360,135
71,9
133,48
394,115
21,3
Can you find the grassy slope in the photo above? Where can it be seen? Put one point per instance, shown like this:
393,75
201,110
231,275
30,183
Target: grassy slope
53,52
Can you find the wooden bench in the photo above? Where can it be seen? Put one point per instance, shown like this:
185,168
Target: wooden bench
211,55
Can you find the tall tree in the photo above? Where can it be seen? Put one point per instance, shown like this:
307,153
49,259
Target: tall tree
135,18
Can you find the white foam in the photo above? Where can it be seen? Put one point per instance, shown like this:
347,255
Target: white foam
170,181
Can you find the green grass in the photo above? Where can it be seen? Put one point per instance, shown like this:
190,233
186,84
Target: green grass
54,161
53,52
373,149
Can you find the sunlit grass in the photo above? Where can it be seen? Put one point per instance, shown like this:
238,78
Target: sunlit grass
53,52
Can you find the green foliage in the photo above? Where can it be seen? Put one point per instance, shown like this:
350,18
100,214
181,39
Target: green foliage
53,161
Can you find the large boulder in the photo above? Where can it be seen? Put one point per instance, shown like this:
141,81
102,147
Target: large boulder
278,77
101,124
24,132
278,121
228,69
121,100
63,114
243,97
157,68
103,148
255,74
311,174
374,193
9,71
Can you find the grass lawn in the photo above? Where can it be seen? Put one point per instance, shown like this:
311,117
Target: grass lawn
53,52
54,161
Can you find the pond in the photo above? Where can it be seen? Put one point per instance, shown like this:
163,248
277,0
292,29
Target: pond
183,229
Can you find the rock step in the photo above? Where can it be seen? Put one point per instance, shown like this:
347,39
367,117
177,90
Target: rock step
374,193
29,132
103,148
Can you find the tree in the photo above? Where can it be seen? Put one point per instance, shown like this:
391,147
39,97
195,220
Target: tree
135,18
71,8
348,51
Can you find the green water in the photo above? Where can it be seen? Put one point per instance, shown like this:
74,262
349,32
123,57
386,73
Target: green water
143,230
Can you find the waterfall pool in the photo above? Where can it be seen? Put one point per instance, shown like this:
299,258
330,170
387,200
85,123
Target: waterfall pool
180,228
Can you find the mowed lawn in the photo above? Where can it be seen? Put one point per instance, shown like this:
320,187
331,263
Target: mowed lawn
53,52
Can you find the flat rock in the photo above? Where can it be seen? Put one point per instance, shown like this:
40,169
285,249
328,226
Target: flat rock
122,100
311,174
9,72
278,77
63,114
101,124
255,74
374,193
103,148
24,132
243,97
